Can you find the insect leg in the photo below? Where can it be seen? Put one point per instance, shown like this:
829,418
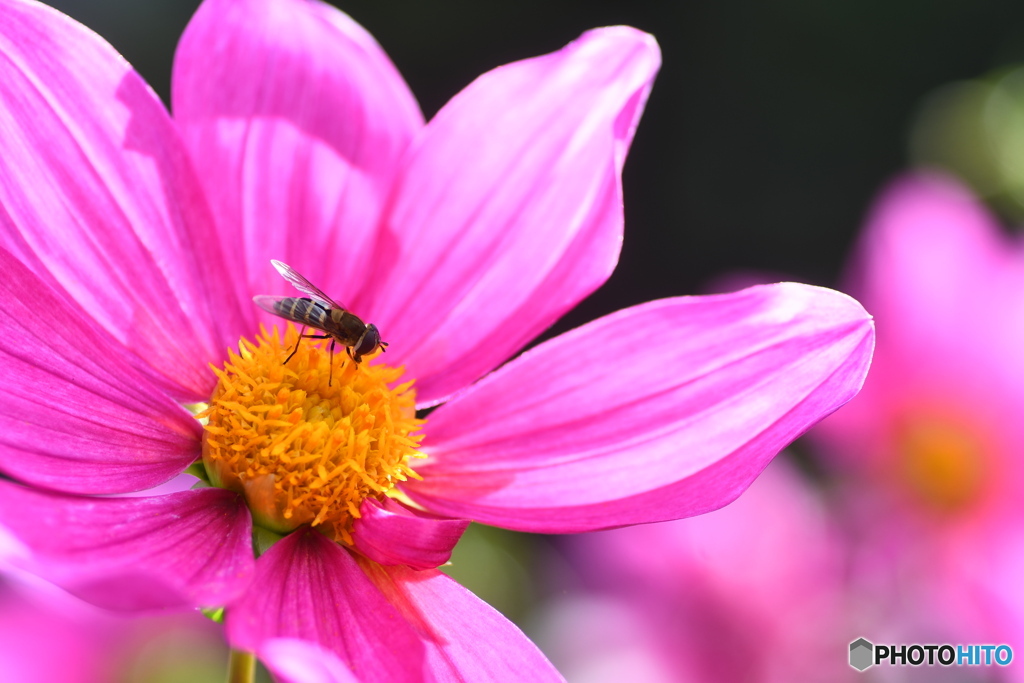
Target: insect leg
301,337
330,377
297,341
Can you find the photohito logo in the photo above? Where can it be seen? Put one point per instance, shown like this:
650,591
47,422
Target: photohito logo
864,654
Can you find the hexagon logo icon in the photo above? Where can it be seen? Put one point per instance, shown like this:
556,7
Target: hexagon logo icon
860,654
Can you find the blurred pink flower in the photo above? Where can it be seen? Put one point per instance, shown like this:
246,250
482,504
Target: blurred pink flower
929,455
751,593
47,635
132,244
300,661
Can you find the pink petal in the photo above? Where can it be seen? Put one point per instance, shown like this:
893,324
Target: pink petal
296,120
98,196
299,661
775,552
467,639
661,411
390,533
308,587
509,211
74,414
184,549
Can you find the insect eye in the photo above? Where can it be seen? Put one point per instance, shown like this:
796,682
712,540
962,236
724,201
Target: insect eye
369,342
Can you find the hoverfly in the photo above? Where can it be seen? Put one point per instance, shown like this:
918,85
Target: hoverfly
322,313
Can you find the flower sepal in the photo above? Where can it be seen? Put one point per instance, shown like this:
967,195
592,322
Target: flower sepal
263,539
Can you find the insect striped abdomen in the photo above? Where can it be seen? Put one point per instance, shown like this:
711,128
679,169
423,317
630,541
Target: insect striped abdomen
304,310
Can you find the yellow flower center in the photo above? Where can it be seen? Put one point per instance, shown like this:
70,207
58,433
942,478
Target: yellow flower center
943,462
303,443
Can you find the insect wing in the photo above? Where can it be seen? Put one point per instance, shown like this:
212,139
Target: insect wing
303,285
269,304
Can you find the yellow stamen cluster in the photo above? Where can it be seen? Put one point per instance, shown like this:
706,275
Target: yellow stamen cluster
304,443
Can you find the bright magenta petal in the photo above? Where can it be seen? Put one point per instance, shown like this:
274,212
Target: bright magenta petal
509,211
661,411
74,414
186,549
296,120
308,587
299,661
467,639
391,534
98,195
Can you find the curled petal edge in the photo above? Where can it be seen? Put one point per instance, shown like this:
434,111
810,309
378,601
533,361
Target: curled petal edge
390,533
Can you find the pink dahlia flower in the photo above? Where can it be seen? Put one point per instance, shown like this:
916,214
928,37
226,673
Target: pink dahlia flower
718,602
133,243
929,454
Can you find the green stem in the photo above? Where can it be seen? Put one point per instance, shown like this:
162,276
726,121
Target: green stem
241,667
